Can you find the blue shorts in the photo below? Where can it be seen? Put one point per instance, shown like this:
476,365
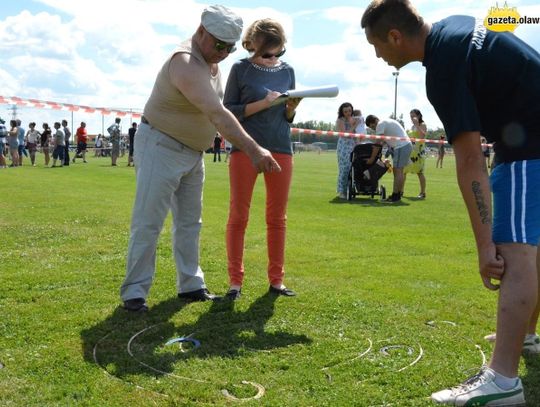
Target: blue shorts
402,155
516,202
58,152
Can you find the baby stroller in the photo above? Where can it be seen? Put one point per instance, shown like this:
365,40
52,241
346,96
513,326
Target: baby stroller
364,178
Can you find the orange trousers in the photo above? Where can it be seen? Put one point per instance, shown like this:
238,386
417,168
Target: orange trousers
242,181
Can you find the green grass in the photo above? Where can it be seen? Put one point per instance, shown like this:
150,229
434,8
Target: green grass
365,272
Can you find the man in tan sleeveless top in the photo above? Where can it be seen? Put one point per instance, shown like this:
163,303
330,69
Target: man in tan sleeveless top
179,122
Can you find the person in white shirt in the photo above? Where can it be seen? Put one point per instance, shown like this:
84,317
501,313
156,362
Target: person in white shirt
361,124
400,143
32,138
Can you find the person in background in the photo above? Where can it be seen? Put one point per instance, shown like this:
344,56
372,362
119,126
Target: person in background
59,147
3,141
440,152
361,125
123,142
179,122
345,145
254,84
418,154
395,138
67,137
21,144
228,147
98,146
14,143
217,147
131,134
486,151
483,83
45,141
32,139
115,133
82,140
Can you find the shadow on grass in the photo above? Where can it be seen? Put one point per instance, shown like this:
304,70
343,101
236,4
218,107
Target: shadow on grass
221,331
531,380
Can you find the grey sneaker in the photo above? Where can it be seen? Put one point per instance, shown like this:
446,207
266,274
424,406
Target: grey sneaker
481,390
531,346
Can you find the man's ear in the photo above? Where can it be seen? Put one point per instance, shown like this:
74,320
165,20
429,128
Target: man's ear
200,30
395,36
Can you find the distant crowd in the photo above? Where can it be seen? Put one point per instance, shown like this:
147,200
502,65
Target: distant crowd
16,143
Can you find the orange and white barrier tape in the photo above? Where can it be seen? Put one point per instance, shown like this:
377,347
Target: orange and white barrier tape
43,104
359,136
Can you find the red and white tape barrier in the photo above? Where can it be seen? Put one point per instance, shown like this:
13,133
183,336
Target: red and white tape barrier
359,136
43,104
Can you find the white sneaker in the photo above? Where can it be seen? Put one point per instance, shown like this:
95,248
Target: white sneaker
481,390
531,346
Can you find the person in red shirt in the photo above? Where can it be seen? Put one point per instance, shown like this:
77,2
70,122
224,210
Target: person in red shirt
82,139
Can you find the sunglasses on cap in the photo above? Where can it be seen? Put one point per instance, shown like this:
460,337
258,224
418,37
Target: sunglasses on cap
279,54
220,46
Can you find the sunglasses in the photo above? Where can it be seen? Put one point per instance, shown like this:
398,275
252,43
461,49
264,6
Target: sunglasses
279,54
220,46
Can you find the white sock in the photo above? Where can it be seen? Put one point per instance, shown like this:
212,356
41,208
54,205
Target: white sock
505,383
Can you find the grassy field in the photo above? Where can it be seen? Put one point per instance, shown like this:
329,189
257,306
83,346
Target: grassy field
390,306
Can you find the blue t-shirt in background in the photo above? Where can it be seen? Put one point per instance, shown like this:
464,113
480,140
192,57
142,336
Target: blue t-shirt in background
20,135
248,83
480,80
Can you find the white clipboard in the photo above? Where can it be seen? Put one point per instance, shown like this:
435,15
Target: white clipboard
329,91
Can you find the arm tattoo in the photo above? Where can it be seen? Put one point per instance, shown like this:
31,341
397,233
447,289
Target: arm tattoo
480,203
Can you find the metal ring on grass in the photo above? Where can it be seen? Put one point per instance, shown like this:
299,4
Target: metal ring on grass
384,350
130,352
94,354
353,359
435,323
183,339
484,360
260,389
260,392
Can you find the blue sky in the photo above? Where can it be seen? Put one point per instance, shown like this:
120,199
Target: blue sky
107,53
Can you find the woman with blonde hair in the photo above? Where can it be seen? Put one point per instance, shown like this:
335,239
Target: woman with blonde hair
418,154
253,86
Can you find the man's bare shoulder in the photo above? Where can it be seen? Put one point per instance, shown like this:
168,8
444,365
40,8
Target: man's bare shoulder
183,62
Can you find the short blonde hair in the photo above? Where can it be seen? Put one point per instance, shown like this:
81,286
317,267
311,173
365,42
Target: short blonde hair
264,35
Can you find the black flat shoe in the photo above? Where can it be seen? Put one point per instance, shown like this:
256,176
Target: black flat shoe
282,291
136,305
199,295
233,295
